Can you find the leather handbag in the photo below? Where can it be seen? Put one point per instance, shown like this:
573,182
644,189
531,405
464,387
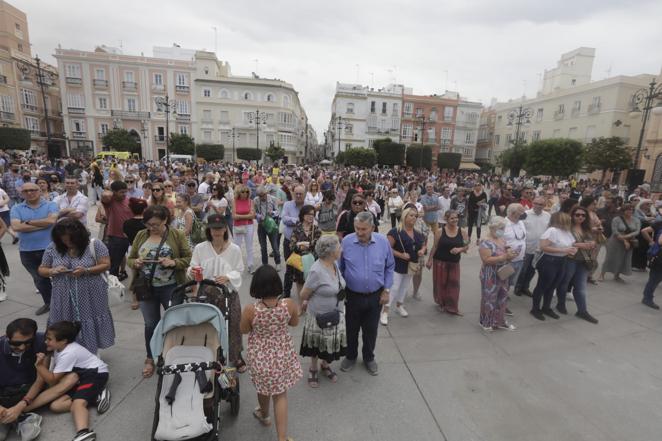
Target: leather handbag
142,284
412,267
332,318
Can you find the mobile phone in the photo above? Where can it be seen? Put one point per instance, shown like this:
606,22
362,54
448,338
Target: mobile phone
66,271
150,261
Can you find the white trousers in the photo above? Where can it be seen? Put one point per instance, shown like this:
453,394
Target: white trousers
399,289
248,241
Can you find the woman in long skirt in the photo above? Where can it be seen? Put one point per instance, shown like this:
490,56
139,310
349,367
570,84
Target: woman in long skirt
449,242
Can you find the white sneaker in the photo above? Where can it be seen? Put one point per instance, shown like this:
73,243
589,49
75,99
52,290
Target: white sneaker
383,318
402,311
30,427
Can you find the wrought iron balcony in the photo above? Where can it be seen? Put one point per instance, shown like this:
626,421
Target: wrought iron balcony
129,114
180,88
31,108
76,110
559,115
129,85
74,80
160,138
78,135
7,116
100,84
3,79
593,109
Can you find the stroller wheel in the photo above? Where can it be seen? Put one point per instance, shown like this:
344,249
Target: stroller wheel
234,400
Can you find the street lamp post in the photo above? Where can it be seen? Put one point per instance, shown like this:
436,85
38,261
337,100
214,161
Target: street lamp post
339,125
41,76
521,115
234,149
422,123
257,118
644,96
165,103
305,128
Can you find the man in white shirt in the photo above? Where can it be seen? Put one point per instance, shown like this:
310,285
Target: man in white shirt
536,222
515,238
72,203
444,204
205,187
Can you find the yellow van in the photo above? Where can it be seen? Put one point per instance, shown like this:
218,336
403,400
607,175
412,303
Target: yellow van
117,155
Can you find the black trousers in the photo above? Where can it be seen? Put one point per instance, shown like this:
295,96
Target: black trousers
362,314
287,283
117,247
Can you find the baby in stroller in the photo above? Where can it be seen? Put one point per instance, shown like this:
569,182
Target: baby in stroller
220,260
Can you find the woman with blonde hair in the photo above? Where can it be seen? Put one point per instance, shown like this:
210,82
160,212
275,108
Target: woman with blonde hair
314,195
556,246
408,247
159,198
243,215
493,287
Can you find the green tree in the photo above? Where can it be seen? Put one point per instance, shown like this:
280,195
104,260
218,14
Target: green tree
389,152
340,158
419,156
449,161
181,144
249,154
361,157
554,157
211,152
120,140
513,158
14,138
607,154
274,152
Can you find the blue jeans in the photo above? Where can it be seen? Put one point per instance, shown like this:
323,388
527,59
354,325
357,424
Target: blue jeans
526,274
654,279
273,239
550,275
575,274
151,310
31,261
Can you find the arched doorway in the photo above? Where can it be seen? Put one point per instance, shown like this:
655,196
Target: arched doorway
138,140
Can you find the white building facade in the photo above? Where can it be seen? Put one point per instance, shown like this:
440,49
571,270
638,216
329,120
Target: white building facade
360,115
569,105
105,89
226,107
466,129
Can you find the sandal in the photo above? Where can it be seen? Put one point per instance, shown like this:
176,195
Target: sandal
313,379
265,421
240,365
330,374
148,369
135,305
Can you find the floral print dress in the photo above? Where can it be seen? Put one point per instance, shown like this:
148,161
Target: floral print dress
272,362
493,290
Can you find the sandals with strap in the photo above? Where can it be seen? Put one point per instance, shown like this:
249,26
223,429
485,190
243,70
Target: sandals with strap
329,373
148,369
240,365
265,421
313,379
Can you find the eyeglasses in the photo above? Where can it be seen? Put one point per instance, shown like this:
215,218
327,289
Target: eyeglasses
157,189
191,185
17,343
223,181
358,202
579,215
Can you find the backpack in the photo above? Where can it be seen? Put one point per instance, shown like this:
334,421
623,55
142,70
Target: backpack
654,249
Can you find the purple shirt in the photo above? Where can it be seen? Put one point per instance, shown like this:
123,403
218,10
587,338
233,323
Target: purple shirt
367,267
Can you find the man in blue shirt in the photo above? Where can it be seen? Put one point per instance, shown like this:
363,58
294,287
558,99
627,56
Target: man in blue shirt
431,207
290,217
367,265
33,220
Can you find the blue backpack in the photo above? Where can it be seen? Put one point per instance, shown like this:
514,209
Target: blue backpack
654,248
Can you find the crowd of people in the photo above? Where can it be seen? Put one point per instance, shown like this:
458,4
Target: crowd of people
158,225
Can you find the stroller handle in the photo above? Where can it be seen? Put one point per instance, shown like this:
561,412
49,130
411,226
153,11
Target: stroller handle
179,294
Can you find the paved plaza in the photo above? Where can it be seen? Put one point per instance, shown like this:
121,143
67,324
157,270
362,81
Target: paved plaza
441,377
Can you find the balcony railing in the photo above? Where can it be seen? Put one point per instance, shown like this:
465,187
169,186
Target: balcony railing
158,87
593,109
7,116
100,135
129,114
3,79
78,135
182,88
129,85
29,108
74,80
76,110
101,84
159,138
559,115
35,134
183,117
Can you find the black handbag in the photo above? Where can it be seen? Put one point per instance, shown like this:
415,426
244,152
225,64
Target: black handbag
142,285
332,318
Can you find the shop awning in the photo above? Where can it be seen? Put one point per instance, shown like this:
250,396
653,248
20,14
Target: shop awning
469,166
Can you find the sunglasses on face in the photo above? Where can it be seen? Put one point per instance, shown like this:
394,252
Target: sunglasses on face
191,185
580,215
157,189
128,182
358,202
19,343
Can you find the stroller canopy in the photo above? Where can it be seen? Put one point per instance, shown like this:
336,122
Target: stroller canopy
188,314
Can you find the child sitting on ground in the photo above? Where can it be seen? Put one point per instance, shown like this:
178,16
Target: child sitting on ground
272,362
69,356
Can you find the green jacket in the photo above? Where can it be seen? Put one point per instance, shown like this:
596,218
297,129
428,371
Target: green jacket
176,241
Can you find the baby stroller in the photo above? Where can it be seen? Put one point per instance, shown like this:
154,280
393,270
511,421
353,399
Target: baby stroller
192,377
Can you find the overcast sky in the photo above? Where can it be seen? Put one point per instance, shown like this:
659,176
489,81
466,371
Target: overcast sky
482,48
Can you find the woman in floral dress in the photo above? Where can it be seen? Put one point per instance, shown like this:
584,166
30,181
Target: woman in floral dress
273,364
493,290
